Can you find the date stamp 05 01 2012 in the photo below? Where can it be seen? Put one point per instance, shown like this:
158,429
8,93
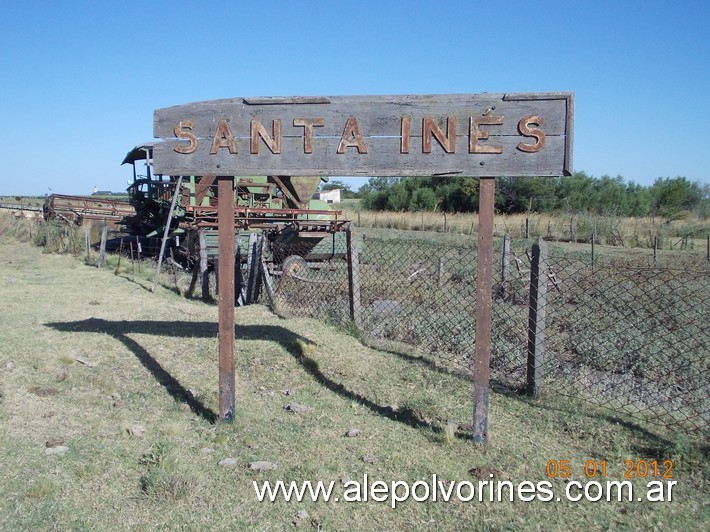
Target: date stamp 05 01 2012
593,468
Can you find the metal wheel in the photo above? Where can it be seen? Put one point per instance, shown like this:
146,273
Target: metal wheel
294,265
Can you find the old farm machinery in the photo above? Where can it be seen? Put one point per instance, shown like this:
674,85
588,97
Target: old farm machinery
297,230
76,209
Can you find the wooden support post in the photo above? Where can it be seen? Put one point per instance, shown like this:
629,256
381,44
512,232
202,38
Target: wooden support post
440,273
655,247
484,296
527,228
594,238
225,281
87,244
204,274
252,269
102,249
176,194
239,295
266,276
138,252
571,229
354,277
536,318
505,267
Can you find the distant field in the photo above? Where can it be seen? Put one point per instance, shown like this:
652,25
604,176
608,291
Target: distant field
26,201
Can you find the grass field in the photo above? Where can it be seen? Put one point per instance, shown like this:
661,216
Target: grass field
689,234
126,380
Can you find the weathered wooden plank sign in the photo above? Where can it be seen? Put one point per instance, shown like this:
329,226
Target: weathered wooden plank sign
484,135
467,134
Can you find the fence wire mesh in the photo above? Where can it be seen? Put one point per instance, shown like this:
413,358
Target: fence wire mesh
621,330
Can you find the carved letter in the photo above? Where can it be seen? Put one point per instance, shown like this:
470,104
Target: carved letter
431,129
525,130
352,138
258,130
223,138
183,130
406,134
475,134
308,124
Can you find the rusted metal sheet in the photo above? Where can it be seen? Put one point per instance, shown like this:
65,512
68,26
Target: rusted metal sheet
463,134
258,217
76,209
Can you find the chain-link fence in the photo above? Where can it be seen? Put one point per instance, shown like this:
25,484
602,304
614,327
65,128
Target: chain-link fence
617,329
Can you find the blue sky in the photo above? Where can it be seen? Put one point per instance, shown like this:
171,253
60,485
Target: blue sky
80,80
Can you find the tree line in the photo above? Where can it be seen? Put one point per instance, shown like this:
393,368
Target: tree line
670,198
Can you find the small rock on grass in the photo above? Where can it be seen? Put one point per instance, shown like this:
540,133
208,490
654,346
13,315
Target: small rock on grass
136,430
262,465
57,450
296,408
301,518
485,473
229,462
353,433
368,459
88,363
54,442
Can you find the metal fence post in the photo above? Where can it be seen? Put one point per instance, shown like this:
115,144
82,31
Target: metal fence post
354,278
440,272
536,319
505,267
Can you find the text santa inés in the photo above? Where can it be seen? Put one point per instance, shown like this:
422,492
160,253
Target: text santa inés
528,127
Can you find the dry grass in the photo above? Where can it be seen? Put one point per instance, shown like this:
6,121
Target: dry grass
156,370
689,233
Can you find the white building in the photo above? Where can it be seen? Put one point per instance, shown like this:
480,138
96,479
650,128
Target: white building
330,196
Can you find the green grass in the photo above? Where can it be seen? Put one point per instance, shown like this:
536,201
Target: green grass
156,366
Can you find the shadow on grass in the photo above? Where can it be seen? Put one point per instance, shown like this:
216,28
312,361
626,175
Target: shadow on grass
290,341
120,331
649,444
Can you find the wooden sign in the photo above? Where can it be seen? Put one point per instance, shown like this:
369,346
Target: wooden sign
527,134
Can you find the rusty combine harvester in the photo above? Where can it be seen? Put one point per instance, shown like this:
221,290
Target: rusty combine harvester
76,209
280,207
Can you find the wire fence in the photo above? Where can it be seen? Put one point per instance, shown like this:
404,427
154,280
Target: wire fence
616,329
